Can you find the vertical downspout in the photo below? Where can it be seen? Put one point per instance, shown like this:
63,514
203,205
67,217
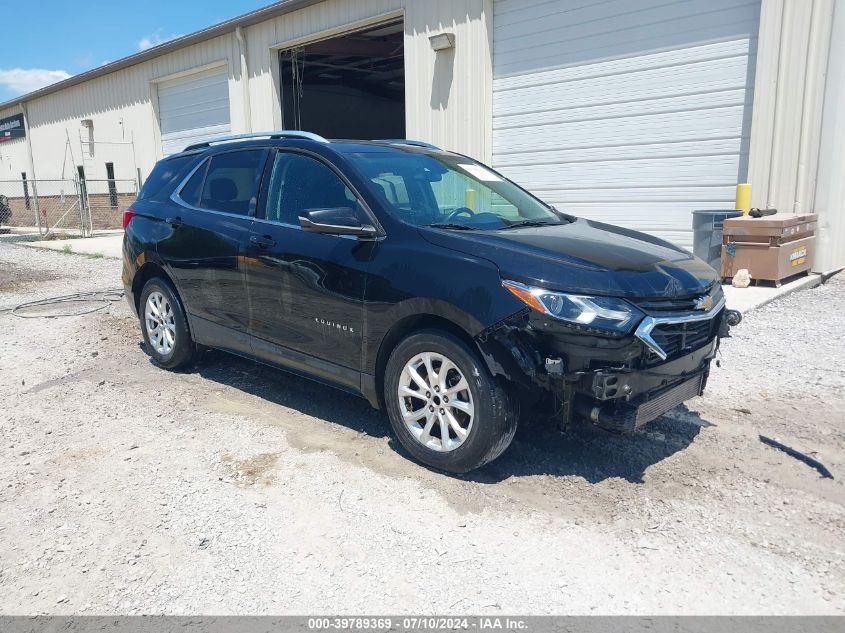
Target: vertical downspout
778,114
818,49
489,14
242,53
31,164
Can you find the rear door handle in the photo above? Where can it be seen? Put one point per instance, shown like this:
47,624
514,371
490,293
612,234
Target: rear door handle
174,222
265,241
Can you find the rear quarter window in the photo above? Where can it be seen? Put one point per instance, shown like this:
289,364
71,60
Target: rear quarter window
164,177
190,193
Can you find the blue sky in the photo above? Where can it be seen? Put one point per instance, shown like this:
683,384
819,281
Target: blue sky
56,39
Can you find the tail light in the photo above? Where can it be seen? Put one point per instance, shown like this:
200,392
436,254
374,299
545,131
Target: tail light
127,217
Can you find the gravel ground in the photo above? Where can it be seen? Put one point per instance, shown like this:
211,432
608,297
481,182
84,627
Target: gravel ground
233,488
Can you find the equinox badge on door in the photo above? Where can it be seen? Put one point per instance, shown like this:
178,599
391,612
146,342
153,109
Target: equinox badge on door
338,326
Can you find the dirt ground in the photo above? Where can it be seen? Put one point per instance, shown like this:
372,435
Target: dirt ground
233,488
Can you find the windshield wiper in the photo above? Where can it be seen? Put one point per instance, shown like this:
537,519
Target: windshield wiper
524,223
452,225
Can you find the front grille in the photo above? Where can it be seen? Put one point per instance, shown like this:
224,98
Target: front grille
685,304
677,339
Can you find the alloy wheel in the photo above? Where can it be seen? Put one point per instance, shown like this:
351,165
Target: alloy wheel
160,323
435,402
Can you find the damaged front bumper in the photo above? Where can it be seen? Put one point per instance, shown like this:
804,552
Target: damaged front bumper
617,382
626,400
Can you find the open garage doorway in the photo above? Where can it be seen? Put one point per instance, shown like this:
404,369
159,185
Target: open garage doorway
349,86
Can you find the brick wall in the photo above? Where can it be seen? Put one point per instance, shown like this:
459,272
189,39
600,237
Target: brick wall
52,208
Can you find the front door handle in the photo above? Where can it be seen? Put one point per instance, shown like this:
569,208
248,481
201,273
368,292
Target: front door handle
264,241
174,222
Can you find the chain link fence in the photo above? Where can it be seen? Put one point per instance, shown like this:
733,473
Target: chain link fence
106,200
75,207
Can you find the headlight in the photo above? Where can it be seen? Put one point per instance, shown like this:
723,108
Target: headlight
605,313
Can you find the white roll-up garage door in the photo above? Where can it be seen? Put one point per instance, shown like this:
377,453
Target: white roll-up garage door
193,109
633,112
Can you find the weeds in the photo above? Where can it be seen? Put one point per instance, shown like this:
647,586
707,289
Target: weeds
67,250
51,236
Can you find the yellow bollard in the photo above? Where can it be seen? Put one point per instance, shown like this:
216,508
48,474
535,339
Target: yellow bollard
469,199
743,197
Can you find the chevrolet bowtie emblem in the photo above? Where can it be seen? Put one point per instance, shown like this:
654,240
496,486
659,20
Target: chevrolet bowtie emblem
704,303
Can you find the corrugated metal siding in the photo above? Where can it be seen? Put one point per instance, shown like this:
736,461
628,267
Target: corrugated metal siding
121,105
830,189
794,164
265,39
9,112
13,156
447,94
193,109
631,112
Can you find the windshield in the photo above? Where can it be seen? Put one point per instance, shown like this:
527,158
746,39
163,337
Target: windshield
441,189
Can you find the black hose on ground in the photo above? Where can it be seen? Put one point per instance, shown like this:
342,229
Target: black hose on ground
68,305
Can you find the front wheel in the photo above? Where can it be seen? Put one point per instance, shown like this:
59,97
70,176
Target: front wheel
164,325
444,406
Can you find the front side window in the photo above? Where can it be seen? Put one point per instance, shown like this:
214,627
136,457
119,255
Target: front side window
228,183
423,189
300,183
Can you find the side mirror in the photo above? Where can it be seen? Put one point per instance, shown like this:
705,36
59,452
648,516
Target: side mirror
336,221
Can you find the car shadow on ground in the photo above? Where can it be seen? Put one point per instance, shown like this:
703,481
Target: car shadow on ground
538,449
591,453
292,391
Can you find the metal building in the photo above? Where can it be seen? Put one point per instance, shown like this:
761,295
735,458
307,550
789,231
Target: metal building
634,112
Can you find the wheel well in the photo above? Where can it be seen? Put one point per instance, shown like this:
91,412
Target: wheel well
144,274
405,328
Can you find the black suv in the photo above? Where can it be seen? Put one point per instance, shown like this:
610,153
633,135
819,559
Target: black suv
420,279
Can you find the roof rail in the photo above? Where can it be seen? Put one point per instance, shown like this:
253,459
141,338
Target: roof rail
277,134
407,141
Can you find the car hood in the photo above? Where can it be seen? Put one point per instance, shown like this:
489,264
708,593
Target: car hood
585,257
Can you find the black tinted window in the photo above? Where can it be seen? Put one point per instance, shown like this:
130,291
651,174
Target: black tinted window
299,183
164,177
230,181
191,191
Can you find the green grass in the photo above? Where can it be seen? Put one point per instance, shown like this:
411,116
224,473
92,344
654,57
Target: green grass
67,250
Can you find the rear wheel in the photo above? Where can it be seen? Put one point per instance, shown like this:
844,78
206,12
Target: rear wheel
444,406
164,325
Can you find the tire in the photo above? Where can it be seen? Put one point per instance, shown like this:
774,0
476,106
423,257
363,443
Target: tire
415,419
172,347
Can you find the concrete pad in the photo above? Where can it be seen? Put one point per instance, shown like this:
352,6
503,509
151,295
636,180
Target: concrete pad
26,230
21,230
753,297
109,245
59,231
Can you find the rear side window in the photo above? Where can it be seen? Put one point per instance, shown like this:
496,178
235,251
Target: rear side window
191,191
230,181
164,176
